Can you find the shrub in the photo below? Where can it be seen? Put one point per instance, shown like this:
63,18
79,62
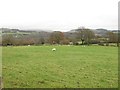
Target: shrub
101,44
107,44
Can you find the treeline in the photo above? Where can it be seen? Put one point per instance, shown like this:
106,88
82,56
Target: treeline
81,36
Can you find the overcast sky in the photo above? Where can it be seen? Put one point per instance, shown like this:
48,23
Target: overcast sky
60,15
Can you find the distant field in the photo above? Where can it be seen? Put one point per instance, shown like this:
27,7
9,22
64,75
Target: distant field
69,66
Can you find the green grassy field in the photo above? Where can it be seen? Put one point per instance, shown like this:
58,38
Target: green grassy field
69,66
0,61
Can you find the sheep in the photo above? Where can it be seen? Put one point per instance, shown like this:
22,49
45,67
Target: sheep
54,49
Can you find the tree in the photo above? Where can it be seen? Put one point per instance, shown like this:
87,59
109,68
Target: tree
56,37
8,39
0,40
86,35
113,37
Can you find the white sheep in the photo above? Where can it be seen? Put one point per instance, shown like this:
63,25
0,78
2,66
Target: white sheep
54,49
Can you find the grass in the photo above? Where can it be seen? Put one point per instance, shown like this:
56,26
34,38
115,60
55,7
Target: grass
0,61
68,67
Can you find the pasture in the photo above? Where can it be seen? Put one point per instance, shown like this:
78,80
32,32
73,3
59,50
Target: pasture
67,67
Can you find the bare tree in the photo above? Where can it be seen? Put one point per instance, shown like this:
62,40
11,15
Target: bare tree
56,37
113,37
0,40
85,35
7,39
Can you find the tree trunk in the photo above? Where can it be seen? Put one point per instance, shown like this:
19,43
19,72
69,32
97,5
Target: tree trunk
82,41
117,44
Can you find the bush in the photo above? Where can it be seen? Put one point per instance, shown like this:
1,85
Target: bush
101,44
107,44
76,43
94,42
